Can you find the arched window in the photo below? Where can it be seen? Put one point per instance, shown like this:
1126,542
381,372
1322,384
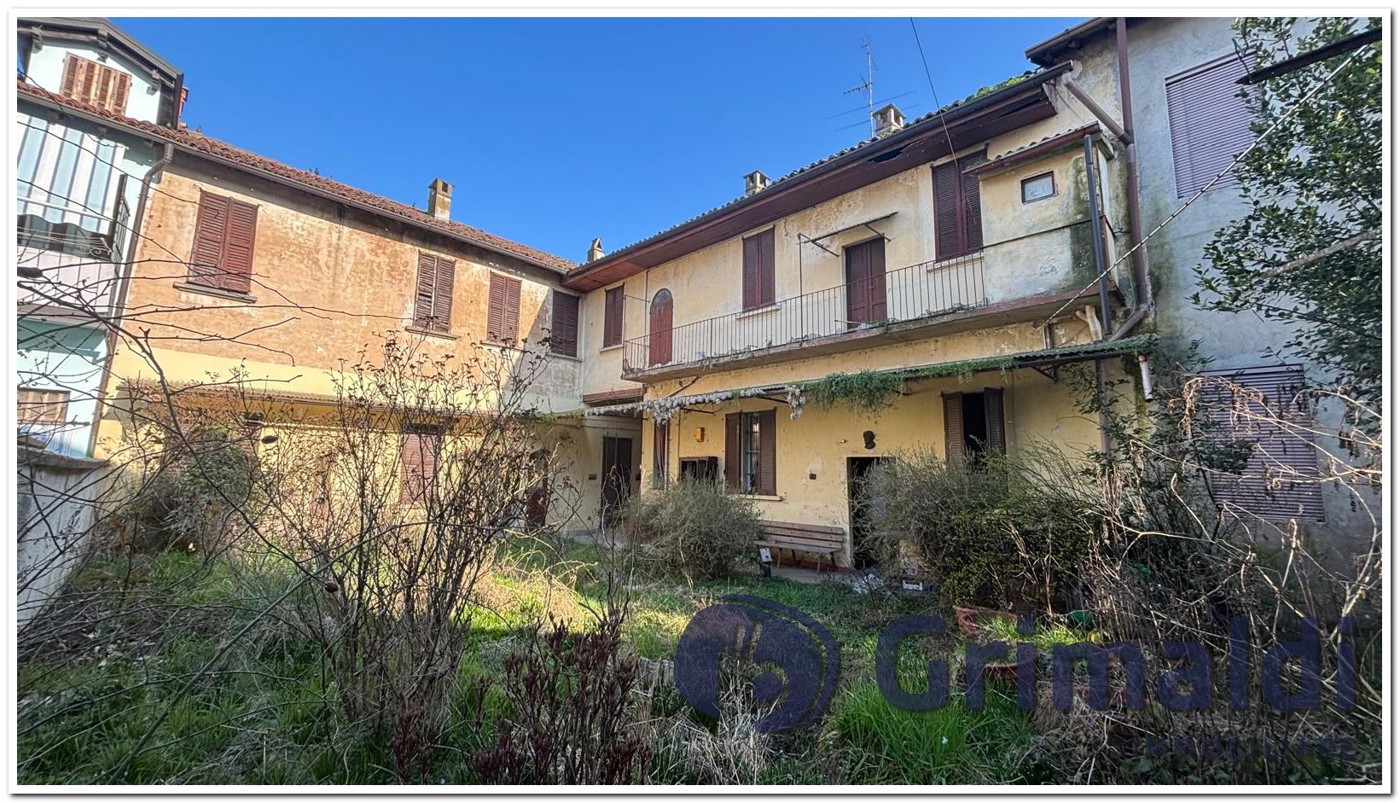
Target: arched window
659,330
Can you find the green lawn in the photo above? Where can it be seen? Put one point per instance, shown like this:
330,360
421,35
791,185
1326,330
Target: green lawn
174,655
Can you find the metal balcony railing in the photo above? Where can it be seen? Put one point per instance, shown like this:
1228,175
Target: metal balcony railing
925,290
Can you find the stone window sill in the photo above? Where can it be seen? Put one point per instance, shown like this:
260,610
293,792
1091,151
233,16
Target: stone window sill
760,497
756,311
609,348
216,292
418,330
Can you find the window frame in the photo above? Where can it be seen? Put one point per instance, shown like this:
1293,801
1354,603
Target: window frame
1054,189
44,407
104,86
218,274
556,342
438,275
1202,146
964,245
758,289
505,290
426,485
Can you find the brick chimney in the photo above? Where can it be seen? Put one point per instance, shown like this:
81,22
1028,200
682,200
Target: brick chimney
888,119
440,199
595,251
755,182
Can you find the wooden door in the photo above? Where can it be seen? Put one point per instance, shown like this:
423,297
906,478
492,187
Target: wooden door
659,329
865,283
617,474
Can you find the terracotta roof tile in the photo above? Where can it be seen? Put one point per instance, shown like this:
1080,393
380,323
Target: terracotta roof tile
223,150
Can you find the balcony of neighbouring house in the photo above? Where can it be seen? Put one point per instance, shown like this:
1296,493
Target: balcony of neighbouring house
69,258
1021,279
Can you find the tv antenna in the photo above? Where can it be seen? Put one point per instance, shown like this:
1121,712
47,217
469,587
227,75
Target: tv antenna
867,85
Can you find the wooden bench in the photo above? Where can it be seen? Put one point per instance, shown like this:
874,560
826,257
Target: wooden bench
813,539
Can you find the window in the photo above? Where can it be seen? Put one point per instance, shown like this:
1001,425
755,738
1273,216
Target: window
660,455
758,270
974,425
1209,122
563,330
39,406
957,210
1038,187
90,82
503,310
1254,408
750,450
224,232
612,317
432,296
419,455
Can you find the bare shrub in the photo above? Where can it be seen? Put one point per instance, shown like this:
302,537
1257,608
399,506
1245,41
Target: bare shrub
1009,529
695,527
574,718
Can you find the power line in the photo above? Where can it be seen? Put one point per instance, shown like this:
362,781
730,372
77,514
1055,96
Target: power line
1297,107
942,117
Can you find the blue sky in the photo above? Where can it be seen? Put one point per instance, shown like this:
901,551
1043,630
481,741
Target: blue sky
555,131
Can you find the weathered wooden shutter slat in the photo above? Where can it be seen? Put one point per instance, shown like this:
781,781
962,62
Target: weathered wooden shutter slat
995,406
237,266
445,278
496,309
612,316
768,453
563,329
424,289
946,231
972,213
766,275
71,65
750,278
732,470
954,441
211,223
511,317
121,92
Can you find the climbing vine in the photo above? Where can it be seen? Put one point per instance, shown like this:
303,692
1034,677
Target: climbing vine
867,391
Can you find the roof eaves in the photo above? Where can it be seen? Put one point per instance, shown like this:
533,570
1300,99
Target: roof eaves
963,106
57,26
1052,50
224,153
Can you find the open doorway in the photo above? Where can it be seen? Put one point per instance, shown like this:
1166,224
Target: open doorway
862,505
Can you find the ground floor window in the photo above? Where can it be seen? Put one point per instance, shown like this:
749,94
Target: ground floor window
419,454
750,453
974,425
1262,409
660,454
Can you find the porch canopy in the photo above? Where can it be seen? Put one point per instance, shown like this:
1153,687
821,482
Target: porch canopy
1046,361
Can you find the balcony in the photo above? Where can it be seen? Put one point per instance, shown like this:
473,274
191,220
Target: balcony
69,259
885,307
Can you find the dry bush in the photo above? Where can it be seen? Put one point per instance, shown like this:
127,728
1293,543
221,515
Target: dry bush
695,527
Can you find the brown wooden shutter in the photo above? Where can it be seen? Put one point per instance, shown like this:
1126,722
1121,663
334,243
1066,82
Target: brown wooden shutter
511,319
424,290
612,316
563,324
237,267
955,442
732,451
120,92
768,453
750,278
972,214
444,279
946,195
71,65
211,223
659,328
996,420
496,308
419,459
660,453
766,269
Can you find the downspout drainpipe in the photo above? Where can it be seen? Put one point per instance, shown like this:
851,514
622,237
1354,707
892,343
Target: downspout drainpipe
167,156
1125,96
1091,179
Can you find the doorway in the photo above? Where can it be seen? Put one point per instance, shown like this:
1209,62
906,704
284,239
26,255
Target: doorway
863,505
617,476
865,283
659,328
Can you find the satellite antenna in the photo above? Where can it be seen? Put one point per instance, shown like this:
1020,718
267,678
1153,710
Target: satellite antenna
867,85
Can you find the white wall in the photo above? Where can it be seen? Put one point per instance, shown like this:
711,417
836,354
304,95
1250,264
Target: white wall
46,71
